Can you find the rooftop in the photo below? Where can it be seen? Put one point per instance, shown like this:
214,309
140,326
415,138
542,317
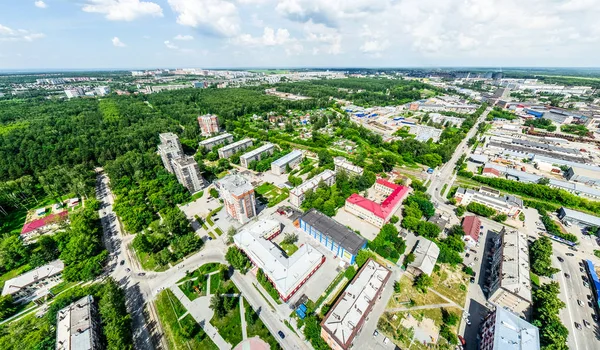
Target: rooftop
426,254
471,225
259,150
346,317
215,139
74,325
15,284
591,173
515,264
235,184
185,161
386,208
339,233
47,220
580,216
513,332
344,163
236,144
312,183
288,158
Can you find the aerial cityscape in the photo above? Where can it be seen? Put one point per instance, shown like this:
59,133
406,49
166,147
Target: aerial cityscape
299,174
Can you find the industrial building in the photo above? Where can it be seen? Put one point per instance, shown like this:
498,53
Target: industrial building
583,175
471,225
217,140
342,241
347,316
426,253
238,196
509,282
342,163
424,133
290,160
287,274
78,326
578,218
169,149
229,150
34,284
257,154
507,204
504,330
188,173
377,214
298,193
209,124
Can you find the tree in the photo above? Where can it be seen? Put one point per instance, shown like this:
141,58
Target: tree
540,252
422,282
236,258
408,259
290,238
460,210
12,253
449,318
500,217
394,219
397,288
116,322
543,181
45,251
217,304
213,192
176,222
7,306
325,158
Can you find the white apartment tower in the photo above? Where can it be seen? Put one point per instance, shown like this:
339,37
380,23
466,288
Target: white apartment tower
188,174
169,149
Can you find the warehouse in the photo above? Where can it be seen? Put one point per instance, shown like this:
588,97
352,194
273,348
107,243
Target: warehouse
578,218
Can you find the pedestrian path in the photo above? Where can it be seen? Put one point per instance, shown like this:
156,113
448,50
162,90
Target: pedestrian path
243,315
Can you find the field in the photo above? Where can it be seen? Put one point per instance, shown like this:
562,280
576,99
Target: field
289,248
230,326
273,194
256,327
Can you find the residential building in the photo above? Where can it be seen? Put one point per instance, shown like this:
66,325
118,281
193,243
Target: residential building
347,316
297,194
229,150
75,92
578,218
290,160
257,154
342,241
509,282
441,220
583,175
217,140
238,196
504,330
287,274
188,173
506,204
426,253
169,149
78,326
342,163
209,124
42,226
471,225
102,90
377,214
34,284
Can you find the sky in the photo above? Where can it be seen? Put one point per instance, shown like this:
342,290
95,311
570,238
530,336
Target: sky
80,34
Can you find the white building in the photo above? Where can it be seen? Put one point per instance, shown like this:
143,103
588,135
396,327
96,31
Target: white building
503,330
75,92
78,326
238,196
506,204
424,133
342,163
257,154
426,253
297,194
291,159
229,150
34,284
217,140
102,90
188,173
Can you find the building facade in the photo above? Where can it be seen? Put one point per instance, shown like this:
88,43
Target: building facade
297,194
342,163
188,173
238,196
257,154
583,175
504,330
169,149
336,237
578,218
209,124
34,284
377,214
78,326
290,160
229,150
210,143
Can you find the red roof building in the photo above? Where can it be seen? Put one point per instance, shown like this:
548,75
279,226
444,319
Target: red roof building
38,224
491,172
471,225
378,214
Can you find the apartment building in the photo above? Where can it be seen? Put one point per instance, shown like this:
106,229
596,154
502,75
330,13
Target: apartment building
34,284
507,204
217,140
229,150
290,160
257,154
377,214
169,149
238,195
342,163
78,326
504,330
188,173
297,194
209,124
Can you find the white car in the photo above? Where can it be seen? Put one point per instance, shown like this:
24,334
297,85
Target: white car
386,340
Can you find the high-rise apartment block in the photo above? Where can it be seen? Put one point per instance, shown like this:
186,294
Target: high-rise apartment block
78,326
502,330
239,198
184,167
169,149
209,124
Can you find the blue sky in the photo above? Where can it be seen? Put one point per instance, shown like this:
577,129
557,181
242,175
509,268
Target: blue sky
297,33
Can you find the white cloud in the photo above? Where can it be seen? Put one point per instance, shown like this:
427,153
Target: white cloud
171,46
329,12
327,40
9,34
117,42
270,37
40,4
123,10
183,37
375,42
215,17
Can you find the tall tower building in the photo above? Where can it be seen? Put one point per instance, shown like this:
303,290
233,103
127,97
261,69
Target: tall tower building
209,124
239,198
188,174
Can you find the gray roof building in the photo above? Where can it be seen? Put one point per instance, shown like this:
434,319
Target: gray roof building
337,232
77,326
504,330
578,218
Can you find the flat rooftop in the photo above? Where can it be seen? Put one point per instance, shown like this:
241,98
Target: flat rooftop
259,150
74,326
312,183
215,139
340,234
288,158
580,216
513,332
515,264
235,184
236,144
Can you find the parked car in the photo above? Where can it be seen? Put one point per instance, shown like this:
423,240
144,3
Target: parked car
122,262
567,275
386,340
594,317
577,325
281,335
560,259
586,323
375,333
579,302
570,254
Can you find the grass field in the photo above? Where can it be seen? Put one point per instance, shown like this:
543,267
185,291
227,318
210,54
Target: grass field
215,281
195,288
273,194
148,263
289,248
202,270
448,281
13,273
408,293
256,327
230,326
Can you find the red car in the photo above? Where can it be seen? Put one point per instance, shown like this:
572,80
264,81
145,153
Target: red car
462,340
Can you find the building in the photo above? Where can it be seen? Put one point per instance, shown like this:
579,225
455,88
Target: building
75,92
578,218
471,225
188,173
297,194
290,160
503,330
478,158
347,316
78,326
217,140
257,154
42,226
102,90
229,150
169,149
238,196
441,220
287,274
426,253
34,284
342,163
342,241
584,175
377,214
506,204
424,133
509,282
209,124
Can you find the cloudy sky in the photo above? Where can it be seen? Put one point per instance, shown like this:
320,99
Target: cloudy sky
298,33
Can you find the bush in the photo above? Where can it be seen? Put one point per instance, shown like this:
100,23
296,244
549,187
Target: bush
480,209
408,259
449,318
422,282
469,271
460,210
394,219
446,333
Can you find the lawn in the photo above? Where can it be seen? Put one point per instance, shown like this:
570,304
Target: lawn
202,270
272,193
289,248
196,196
148,263
265,187
408,293
215,281
64,285
195,288
14,221
451,282
218,231
230,325
256,327
13,273
169,312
